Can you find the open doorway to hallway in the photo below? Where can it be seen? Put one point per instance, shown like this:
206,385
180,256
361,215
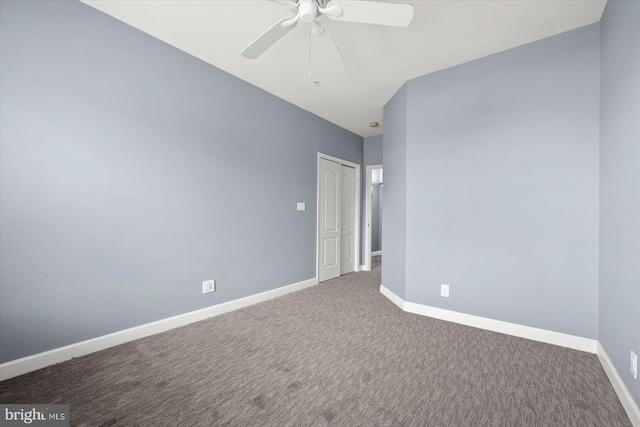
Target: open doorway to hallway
373,215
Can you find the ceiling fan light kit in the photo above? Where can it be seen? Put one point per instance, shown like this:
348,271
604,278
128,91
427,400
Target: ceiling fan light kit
308,11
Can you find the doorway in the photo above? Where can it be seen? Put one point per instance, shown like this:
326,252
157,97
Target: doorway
338,225
373,214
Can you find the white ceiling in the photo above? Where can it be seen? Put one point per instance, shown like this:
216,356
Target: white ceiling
379,59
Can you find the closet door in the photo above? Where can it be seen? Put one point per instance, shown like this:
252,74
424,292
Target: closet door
330,215
347,219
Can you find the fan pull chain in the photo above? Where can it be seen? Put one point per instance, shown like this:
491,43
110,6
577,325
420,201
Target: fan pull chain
309,49
336,45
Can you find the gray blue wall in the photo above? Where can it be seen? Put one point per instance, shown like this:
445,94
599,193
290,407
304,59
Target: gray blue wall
620,186
394,232
131,172
372,150
501,186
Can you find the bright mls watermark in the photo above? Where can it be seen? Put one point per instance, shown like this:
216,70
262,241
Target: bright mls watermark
36,415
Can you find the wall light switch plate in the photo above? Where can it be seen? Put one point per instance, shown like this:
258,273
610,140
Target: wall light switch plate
208,286
301,206
634,365
444,291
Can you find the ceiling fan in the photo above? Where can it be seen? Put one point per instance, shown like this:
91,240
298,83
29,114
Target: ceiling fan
308,11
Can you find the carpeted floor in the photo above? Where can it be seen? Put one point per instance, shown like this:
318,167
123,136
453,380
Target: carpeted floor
335,354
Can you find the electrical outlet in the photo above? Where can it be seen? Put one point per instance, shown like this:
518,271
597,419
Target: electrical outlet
634,365
208,286
444,291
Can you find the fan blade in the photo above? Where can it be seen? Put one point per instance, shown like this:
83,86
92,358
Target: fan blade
373,12
267,39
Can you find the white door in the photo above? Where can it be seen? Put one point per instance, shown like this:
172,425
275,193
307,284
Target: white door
347,219
329,238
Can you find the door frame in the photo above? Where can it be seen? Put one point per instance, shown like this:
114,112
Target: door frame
368,214
358,201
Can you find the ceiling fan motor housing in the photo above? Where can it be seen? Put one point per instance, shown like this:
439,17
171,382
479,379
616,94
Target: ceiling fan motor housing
307,11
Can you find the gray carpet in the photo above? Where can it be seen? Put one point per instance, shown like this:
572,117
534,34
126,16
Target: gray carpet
335,354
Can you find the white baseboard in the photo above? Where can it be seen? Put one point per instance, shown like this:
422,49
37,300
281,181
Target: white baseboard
37,361
393,297
528,332
376,253
621,390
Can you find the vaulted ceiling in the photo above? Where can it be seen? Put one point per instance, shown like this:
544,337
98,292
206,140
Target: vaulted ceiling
379,59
